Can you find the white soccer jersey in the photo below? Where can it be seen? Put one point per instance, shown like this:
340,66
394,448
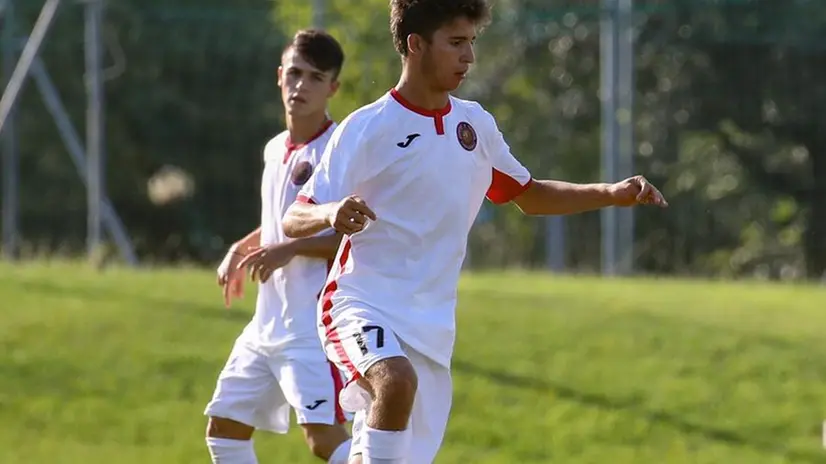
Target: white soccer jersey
285,314
425,174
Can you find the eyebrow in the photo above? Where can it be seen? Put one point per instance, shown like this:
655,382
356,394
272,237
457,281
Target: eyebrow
313,71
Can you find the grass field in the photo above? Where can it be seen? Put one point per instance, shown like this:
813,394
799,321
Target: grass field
116,368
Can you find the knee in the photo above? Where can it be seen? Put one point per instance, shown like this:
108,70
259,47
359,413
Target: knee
221,427
320,446
323,440
393,380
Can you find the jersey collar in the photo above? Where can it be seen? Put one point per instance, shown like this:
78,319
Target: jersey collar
437,115
291,147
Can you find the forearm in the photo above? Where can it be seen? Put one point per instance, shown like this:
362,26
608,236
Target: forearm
322,247
305,219
250,241
550,197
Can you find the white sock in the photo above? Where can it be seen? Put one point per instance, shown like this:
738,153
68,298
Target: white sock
226,451
342,454
385,446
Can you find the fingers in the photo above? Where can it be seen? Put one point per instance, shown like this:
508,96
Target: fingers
648,194
645,189
238,288
249,258
265,274
659,199
225,291
361,207
352,215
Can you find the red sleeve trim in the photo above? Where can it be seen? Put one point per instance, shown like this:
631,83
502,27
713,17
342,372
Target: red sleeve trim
305,199
504,188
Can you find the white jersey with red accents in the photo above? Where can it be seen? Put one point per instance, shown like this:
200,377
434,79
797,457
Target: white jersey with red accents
285,314
425,174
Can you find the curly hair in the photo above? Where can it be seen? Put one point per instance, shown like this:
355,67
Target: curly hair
424,17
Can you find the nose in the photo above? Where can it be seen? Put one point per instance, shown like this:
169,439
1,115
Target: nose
468,55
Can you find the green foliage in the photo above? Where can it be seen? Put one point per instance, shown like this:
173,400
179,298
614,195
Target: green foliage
188,87
728,110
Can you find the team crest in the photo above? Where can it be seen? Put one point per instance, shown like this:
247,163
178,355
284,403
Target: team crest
301,173
466,135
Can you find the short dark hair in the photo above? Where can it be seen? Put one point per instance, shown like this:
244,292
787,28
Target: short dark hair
319,48
424,17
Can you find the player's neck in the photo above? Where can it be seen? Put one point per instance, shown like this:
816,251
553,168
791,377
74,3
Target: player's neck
416,90
303,128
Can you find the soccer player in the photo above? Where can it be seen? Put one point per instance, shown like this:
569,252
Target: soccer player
403,178
278,361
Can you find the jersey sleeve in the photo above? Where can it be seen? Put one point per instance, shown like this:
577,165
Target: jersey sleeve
510,178
339,172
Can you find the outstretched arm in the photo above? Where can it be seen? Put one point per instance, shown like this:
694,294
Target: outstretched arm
549,197
511,181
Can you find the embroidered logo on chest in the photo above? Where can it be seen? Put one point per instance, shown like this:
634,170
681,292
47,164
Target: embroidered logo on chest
466,135
301,173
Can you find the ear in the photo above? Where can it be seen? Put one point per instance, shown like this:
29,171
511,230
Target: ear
334,85
278,75
415,44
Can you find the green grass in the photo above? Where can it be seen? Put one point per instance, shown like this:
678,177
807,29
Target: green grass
117,367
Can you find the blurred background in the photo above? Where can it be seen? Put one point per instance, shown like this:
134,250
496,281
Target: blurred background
720,103
131,135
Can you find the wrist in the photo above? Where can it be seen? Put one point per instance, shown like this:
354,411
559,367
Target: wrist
329,211
238,248
609,192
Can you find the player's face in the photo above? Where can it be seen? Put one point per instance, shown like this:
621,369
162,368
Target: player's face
304,88
449,54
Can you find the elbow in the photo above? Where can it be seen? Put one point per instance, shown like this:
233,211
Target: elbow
289,226
528,208
527,211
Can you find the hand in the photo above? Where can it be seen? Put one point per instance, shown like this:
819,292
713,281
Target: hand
636,191
230,278
262,262
350,215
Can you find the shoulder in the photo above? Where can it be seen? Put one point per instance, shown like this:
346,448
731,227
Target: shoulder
276,146
475,112
365,124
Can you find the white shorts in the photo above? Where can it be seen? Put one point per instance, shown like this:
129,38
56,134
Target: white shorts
355,340
259,390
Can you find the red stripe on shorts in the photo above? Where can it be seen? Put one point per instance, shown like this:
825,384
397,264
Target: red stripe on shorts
327,319
339,385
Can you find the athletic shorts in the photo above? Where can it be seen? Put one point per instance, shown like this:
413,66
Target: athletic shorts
259,390
355,339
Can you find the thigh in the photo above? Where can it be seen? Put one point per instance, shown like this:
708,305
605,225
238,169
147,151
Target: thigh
248,392
431,409
429,418
312,389
355,340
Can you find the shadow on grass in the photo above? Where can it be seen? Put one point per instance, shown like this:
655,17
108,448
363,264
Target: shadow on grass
633,406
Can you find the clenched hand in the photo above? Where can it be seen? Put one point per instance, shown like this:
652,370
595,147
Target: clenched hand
350,215
636,191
